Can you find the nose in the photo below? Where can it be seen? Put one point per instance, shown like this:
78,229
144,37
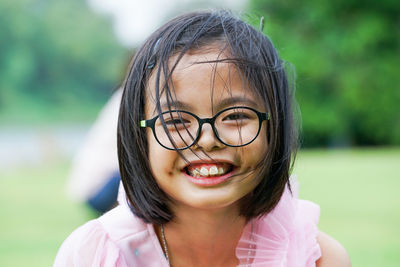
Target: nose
207,139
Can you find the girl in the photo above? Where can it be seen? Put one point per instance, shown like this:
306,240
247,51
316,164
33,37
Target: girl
205,143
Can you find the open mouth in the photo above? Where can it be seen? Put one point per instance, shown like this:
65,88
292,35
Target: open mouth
208,170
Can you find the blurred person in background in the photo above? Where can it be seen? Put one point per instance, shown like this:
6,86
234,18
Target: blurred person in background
94,177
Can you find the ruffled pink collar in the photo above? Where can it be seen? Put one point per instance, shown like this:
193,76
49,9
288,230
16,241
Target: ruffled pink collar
284,237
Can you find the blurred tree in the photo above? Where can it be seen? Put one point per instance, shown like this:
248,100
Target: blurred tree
346,54
57,59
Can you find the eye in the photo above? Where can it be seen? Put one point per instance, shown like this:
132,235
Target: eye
237,116
176,121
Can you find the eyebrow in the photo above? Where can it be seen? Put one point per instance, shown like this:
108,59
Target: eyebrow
176,104
227,102
230,101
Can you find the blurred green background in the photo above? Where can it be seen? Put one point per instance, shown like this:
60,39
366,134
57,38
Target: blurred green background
60,62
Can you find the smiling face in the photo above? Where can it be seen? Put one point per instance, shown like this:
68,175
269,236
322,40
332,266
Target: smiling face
213,175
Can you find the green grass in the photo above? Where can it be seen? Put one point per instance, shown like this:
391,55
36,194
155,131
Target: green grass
356,189
36,216
358,192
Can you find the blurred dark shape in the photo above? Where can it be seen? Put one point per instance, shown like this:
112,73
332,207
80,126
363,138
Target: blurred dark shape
106,198
346,56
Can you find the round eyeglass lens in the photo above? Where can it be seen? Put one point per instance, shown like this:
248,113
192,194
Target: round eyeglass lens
181,129
237,126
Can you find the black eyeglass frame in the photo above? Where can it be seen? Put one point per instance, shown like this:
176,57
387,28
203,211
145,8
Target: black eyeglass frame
262,116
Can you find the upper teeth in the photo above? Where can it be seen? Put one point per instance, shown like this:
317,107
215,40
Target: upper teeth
203,171
213,170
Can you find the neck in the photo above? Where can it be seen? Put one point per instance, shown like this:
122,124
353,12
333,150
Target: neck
198,237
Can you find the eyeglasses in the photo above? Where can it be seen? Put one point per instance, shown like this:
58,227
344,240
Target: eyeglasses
179,129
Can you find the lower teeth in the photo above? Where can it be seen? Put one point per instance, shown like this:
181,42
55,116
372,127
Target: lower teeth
198,174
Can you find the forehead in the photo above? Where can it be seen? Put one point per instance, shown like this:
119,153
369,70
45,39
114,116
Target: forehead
207,76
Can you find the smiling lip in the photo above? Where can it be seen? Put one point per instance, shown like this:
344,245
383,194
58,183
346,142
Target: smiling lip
210,180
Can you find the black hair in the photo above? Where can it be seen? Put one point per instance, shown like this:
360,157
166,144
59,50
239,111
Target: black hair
256,59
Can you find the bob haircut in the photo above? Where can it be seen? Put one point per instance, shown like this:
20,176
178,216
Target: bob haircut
256,59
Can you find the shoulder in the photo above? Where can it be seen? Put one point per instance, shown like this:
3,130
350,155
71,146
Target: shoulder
87,246
333,253
100,240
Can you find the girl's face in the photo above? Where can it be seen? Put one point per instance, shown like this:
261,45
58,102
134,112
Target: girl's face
217,176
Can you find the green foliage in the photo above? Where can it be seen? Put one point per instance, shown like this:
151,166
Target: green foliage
55,56
346,56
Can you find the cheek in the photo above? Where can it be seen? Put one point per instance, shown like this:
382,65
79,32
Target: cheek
254,152
162,161
261,142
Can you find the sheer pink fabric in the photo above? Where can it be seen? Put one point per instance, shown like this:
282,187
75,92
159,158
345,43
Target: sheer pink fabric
284,237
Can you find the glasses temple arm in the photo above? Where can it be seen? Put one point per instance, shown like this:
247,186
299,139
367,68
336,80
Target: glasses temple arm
143,123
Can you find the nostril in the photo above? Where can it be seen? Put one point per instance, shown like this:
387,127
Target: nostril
207,139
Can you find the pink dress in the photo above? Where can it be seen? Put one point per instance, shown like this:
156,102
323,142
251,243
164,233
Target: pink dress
284,237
